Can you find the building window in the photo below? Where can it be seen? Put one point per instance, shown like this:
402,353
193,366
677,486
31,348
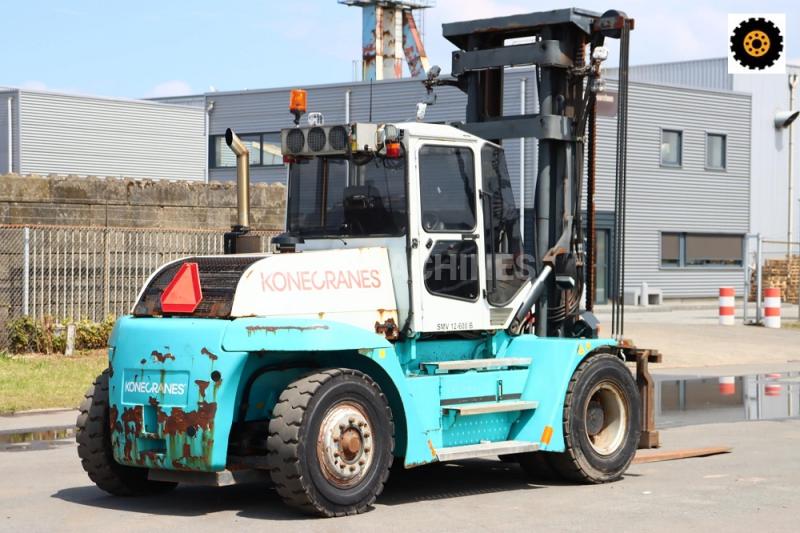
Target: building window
265,150
701,250
716,151
670,249
671,147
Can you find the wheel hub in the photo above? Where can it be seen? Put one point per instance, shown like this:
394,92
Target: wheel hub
594,418
344,446
756,43
606,418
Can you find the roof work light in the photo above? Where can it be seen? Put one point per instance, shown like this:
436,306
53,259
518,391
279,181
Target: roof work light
297,104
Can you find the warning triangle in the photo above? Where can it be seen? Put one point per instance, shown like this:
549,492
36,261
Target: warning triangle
183,294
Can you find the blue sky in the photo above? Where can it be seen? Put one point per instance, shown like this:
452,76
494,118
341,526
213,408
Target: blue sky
163,48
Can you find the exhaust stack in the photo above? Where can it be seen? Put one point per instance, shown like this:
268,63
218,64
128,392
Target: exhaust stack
242,178
237,241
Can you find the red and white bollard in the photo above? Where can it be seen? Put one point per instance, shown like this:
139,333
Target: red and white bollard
772,307
772,387
727,306
727,385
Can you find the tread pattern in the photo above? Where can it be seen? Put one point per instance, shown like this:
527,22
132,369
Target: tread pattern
285,444
94,448
567,464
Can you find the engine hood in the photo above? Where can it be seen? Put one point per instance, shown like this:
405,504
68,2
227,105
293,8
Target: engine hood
352,286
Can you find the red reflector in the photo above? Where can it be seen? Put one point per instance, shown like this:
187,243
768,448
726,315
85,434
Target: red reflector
393,150
183,294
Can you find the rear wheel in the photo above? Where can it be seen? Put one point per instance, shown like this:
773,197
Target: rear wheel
330,443
602,422
93,436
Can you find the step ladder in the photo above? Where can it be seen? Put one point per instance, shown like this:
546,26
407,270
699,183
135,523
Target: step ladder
482,408
477,364
485,449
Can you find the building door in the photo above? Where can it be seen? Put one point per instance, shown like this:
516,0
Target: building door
602,266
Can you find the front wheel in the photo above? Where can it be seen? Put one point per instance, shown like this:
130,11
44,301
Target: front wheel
330,444
602,422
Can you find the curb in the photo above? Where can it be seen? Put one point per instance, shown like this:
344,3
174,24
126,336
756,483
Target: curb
36,412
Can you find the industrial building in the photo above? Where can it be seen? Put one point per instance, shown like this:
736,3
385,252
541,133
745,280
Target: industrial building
707,163
51,133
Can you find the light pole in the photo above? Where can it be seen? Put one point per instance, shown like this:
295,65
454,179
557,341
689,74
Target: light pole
789,124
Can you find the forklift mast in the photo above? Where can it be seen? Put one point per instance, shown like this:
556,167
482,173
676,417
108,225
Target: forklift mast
555,44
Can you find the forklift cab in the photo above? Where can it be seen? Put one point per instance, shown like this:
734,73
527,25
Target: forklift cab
439,199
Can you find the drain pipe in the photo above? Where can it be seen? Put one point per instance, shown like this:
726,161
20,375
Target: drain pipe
792,89
10,115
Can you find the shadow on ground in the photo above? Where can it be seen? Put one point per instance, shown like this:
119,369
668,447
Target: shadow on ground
433,482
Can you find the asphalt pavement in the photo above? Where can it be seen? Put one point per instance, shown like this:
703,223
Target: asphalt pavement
756,487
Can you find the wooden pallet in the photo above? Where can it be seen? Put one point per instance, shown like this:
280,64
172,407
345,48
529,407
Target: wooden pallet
781,273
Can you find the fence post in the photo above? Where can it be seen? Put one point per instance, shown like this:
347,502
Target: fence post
759,272
106,274
26,270
746,278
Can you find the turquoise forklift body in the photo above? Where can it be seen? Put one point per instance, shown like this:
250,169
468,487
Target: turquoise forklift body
179,385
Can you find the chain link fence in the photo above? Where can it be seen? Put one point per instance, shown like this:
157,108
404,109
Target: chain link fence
72,273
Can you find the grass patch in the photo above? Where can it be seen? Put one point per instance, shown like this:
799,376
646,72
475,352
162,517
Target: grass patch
34,381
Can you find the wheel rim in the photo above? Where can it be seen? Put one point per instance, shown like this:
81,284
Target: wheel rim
756,43
345,445
606,418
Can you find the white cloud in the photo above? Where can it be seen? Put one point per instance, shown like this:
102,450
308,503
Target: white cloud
169,88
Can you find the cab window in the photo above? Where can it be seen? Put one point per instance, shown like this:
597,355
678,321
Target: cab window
505,268
447,188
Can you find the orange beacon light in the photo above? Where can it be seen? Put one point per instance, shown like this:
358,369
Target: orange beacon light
297,104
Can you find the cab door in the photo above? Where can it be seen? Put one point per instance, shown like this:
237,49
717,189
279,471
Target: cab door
447,243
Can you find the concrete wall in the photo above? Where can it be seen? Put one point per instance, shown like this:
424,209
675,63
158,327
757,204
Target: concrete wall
113,202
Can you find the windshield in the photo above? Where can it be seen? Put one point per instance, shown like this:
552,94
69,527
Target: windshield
340,196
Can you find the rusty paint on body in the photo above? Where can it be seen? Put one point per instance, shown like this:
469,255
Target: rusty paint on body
202,386
161,357
274,329
209,354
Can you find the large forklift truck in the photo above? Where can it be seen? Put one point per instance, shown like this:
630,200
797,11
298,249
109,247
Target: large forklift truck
398,318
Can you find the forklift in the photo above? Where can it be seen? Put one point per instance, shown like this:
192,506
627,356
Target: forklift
399,318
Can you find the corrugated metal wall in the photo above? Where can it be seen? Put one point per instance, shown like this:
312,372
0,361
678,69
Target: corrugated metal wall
689,199
770,165
686,199
86,136
266,111
705,73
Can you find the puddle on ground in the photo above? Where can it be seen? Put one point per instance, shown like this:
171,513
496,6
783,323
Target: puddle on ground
688,400
679,400
36,440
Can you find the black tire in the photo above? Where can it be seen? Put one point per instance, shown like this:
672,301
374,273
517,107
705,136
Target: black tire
536,467
93,436
598,450
303,471
756,43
